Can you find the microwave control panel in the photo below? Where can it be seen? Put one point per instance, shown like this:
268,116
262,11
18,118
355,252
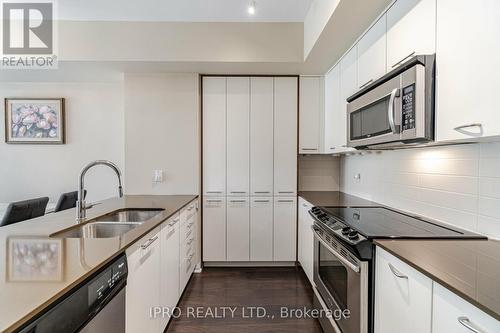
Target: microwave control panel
408,108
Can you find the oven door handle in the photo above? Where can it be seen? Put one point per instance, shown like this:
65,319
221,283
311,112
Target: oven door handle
390,110
337,255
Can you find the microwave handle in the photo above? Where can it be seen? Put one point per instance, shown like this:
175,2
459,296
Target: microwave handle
390,110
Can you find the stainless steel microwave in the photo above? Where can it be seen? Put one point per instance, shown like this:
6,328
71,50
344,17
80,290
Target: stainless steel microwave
395,111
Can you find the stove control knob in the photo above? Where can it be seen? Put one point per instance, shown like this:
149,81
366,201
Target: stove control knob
353,235
346,230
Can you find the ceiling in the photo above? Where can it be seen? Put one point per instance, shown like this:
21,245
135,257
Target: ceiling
183,10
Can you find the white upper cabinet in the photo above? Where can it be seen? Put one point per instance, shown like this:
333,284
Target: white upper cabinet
238,136
285,134
348,86
261,229
372,54
238,229
334,134
310,114
467,62
261,136
214,135
403,297
411,29
451,313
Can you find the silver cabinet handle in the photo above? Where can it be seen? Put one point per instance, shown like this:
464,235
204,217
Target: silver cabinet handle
237,201
390,110
171,224
458,128
261,201
149,242
397,273
309,149
467,323
190,208
190,241
261,192
365,84
214,201
400,61
285,192
285,200
214,192
238,192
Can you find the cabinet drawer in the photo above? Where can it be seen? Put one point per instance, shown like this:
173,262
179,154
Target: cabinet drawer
450,313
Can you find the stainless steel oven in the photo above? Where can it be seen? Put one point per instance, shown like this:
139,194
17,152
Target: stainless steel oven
342,284
395,111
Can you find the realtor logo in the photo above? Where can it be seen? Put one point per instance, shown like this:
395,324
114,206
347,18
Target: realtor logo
28,34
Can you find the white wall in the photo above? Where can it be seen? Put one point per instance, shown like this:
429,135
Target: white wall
319,173
94,130
162,132
459,185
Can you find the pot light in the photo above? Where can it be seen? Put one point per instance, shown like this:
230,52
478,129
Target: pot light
251,8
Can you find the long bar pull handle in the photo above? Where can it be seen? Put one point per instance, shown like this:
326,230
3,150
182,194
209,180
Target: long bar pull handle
149,242
397,273
458,128
467,323
390,110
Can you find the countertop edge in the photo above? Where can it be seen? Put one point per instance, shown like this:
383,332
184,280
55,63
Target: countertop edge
436,279
40,310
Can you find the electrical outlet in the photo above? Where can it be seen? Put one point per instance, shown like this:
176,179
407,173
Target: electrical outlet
357,177
157,176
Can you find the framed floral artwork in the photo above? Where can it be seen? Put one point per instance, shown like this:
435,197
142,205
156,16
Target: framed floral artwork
34,120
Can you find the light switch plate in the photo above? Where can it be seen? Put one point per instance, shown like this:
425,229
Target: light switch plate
157,176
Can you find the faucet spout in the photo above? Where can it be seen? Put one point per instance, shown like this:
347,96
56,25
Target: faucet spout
81,206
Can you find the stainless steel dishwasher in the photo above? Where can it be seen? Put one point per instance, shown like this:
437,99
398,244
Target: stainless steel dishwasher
97,305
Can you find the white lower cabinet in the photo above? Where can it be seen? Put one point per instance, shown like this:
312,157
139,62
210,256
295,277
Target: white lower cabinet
238,229
261,229
285,229
451,313
214,229
306,239
169,285
143,284
188,245
403,297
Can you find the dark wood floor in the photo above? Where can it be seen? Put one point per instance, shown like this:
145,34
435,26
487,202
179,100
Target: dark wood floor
240,289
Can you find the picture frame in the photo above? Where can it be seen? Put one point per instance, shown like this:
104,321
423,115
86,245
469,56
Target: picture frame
35,121
34,259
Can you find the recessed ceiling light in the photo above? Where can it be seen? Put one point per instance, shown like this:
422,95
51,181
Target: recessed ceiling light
251,8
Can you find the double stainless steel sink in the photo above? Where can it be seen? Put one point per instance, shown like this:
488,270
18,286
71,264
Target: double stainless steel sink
110,225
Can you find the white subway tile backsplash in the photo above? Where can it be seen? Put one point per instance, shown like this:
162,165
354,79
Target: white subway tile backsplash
458,185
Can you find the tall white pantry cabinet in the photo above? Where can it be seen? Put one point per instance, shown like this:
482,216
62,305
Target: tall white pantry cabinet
249,168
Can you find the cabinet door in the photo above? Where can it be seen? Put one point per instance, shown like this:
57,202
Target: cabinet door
451,313
261,229
169,286
411,29
306,239
467,61
214,136
309,114
348,85
214,229
334,122
285,229
238,229
372,54
238,135
261,136
285,136
143,284
403,297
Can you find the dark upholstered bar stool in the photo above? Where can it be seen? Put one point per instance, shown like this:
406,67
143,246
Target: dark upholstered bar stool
24,210
67,201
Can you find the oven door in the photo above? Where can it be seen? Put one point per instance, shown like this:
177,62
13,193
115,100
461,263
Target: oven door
375,117
342,283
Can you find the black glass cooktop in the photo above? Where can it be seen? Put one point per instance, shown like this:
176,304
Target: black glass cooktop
380,222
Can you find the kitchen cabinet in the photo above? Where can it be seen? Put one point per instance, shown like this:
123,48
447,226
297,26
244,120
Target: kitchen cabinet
143,283
261,229
170,265
238,135
188,245
311,104
285,134
334,117
306,239
238,229
348,86
450,313
214,229
261,136
403,296
467,57
411,29
285,229
214,136
371,50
